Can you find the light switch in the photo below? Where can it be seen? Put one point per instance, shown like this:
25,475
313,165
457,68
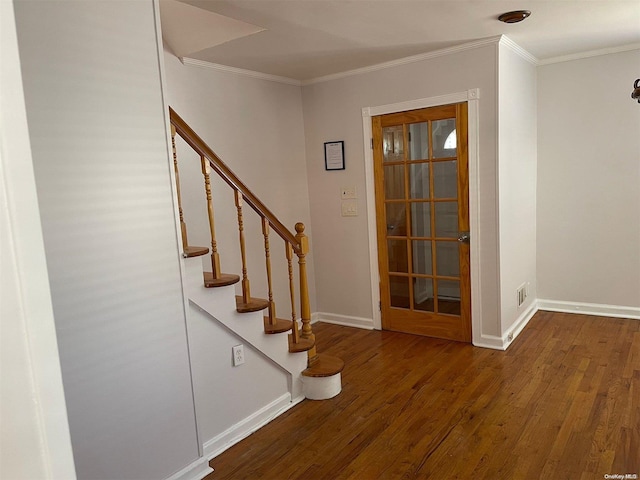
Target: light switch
348,192
350,209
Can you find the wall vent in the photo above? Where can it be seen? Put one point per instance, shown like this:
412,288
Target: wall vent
522,294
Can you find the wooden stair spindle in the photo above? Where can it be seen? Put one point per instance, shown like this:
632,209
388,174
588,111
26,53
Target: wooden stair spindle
295,333
215,278
244,302
183,226
305,307
215,258
267,255
186,249
272,324
246,291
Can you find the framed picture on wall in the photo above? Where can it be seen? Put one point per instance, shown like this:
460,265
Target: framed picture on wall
334,155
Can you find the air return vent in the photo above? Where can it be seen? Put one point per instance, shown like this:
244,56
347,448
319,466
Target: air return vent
522,294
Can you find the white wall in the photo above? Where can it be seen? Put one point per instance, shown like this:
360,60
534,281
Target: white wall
96,121
589,181
517,183
333,111
255,126
34,438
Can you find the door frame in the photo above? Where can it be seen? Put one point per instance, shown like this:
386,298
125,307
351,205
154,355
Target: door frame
472,97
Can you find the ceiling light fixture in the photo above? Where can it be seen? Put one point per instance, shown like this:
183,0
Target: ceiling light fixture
515,16
636,90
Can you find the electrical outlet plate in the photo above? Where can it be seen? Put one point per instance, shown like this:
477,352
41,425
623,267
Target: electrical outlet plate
238,355
347,193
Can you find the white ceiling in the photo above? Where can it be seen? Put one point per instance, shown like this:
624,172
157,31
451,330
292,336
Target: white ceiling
305,39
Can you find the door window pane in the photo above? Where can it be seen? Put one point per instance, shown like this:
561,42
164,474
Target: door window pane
445,179
449,297
421,219
397,252
441,131
393,144
423,294
447,259
394,181
446,219
419,180
399,291
396,219
421,254
419,141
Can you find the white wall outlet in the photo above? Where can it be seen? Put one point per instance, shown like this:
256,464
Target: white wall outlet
350,208
238,355
348,192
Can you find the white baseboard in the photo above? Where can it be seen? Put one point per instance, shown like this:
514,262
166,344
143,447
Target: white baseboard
598,309
196,471
345,320
502,343
520,323
246,427
490,341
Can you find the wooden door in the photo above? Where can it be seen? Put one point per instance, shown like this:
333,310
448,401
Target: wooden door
422,210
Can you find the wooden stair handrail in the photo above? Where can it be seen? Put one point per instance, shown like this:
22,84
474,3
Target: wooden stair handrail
194,140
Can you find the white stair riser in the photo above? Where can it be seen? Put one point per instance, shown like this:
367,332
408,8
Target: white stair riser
322,388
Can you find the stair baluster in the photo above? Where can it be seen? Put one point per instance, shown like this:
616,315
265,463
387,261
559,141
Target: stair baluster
267,255
305,307
295,333
187,251
246,291
215,258
215,278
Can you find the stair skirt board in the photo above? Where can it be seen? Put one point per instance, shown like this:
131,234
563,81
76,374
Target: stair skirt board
241,430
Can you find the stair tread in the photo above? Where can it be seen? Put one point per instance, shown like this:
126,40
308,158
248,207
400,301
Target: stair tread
324,366
254,305
224,280
281,326
303,345
192,251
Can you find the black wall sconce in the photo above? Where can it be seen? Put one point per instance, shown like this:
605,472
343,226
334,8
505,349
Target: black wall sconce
636,90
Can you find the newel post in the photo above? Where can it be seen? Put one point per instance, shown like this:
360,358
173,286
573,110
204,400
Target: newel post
305,307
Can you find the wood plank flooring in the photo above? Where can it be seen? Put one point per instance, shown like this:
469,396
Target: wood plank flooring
562,403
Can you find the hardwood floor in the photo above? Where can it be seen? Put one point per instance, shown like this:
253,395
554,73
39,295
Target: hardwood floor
562,403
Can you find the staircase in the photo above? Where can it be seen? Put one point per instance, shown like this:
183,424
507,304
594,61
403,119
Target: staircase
213,292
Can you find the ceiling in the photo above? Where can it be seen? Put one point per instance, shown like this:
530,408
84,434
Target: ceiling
306,39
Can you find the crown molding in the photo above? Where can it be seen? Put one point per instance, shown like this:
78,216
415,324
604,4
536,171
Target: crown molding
240,71
497,40
589,54
406,60
507,42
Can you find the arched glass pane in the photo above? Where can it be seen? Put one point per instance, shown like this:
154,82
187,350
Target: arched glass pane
451,141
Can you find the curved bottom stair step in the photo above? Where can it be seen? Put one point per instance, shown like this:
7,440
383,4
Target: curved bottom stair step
323,379
324,366
224,280
254,304
192,251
